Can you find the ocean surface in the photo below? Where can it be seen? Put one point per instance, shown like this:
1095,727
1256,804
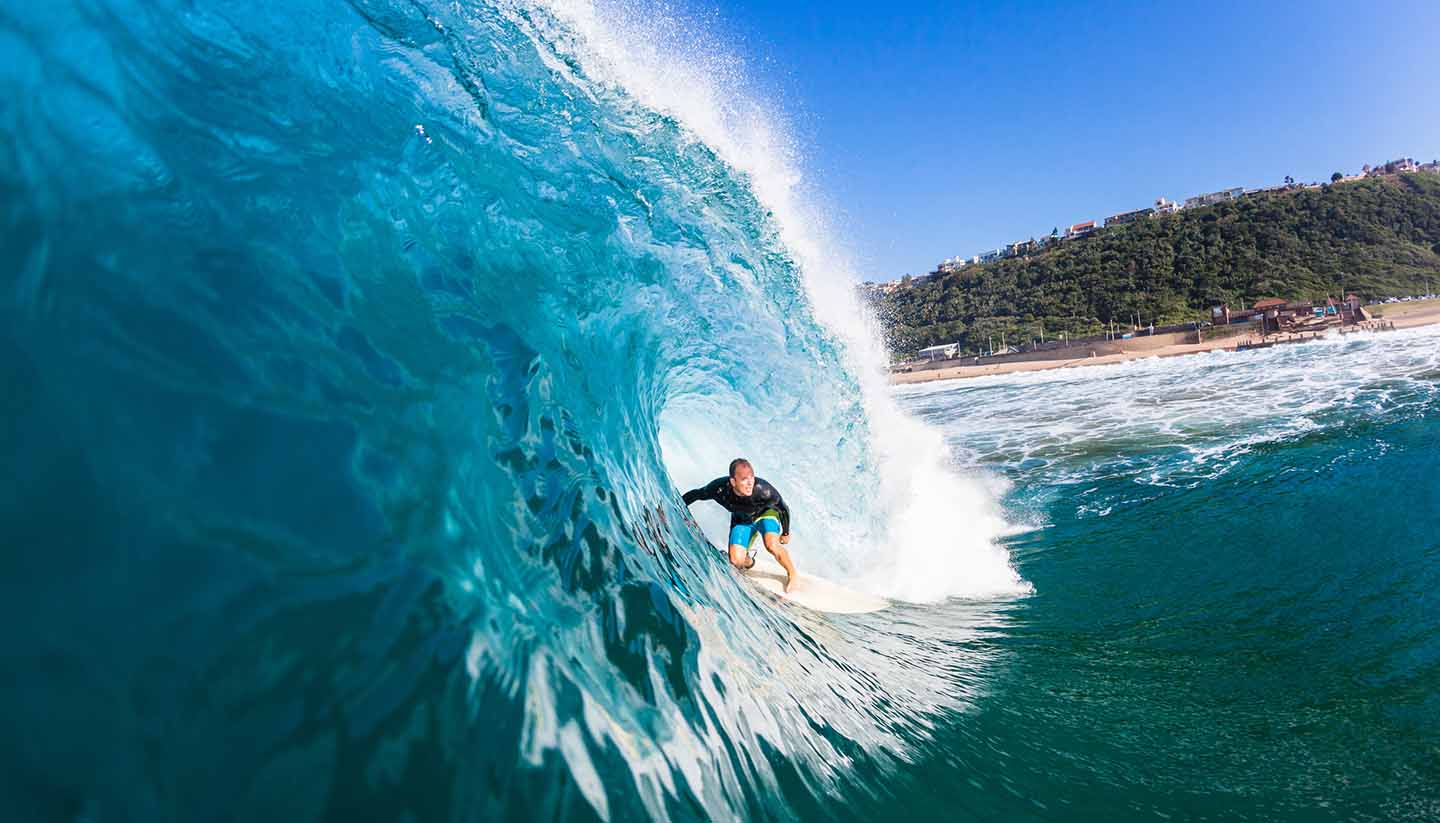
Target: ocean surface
355,356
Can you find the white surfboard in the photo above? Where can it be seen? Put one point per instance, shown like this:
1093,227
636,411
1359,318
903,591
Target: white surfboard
810,591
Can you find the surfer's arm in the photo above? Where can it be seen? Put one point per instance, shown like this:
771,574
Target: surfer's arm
777,502
705,492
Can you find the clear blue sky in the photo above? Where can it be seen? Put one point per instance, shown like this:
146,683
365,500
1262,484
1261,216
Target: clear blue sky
943,128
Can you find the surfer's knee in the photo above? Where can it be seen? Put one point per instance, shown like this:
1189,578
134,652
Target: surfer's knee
738,555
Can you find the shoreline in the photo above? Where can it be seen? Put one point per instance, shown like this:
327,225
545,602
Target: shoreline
1395,315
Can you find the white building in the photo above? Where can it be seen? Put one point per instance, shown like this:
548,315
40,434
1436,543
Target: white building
1212,198
1163,206
942,352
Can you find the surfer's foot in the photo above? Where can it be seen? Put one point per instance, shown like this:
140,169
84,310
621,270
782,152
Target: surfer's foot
790,583
750,565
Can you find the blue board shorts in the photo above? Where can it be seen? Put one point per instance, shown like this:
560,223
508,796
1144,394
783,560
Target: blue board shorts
745,534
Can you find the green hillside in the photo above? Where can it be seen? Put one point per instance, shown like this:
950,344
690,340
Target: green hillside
1376,237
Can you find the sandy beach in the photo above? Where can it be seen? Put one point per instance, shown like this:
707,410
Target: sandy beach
1398,315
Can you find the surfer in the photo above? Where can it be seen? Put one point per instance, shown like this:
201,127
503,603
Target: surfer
756,511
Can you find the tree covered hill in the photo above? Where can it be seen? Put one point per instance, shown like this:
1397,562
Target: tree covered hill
1376,237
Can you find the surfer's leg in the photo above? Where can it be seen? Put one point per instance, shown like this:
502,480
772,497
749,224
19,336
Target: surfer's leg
740,558
739,539
782,554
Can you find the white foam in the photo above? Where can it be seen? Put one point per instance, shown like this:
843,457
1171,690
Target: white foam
1216,408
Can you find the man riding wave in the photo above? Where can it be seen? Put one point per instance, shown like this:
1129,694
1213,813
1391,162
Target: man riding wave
757,512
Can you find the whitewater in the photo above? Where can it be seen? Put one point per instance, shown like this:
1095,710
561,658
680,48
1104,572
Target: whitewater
356,357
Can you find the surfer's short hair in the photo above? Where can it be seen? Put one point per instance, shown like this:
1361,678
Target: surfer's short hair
737,463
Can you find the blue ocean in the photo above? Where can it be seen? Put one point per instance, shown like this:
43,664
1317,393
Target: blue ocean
355,357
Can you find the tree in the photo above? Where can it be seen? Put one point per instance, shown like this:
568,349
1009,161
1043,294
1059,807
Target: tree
1335,178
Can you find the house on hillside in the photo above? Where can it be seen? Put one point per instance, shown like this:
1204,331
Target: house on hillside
1080,230
1283,187
1021,247
1128,217
1404,165
1212,198
888,287
1163,206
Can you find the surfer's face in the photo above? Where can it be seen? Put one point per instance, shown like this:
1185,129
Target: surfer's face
743,481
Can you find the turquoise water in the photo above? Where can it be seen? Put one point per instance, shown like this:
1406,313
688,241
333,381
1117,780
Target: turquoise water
1235,560
355,356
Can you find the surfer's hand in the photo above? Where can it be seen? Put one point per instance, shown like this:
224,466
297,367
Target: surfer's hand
784,538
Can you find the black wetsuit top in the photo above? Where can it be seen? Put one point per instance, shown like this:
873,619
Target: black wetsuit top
743,510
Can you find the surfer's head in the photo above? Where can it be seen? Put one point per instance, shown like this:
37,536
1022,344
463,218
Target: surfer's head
742,476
